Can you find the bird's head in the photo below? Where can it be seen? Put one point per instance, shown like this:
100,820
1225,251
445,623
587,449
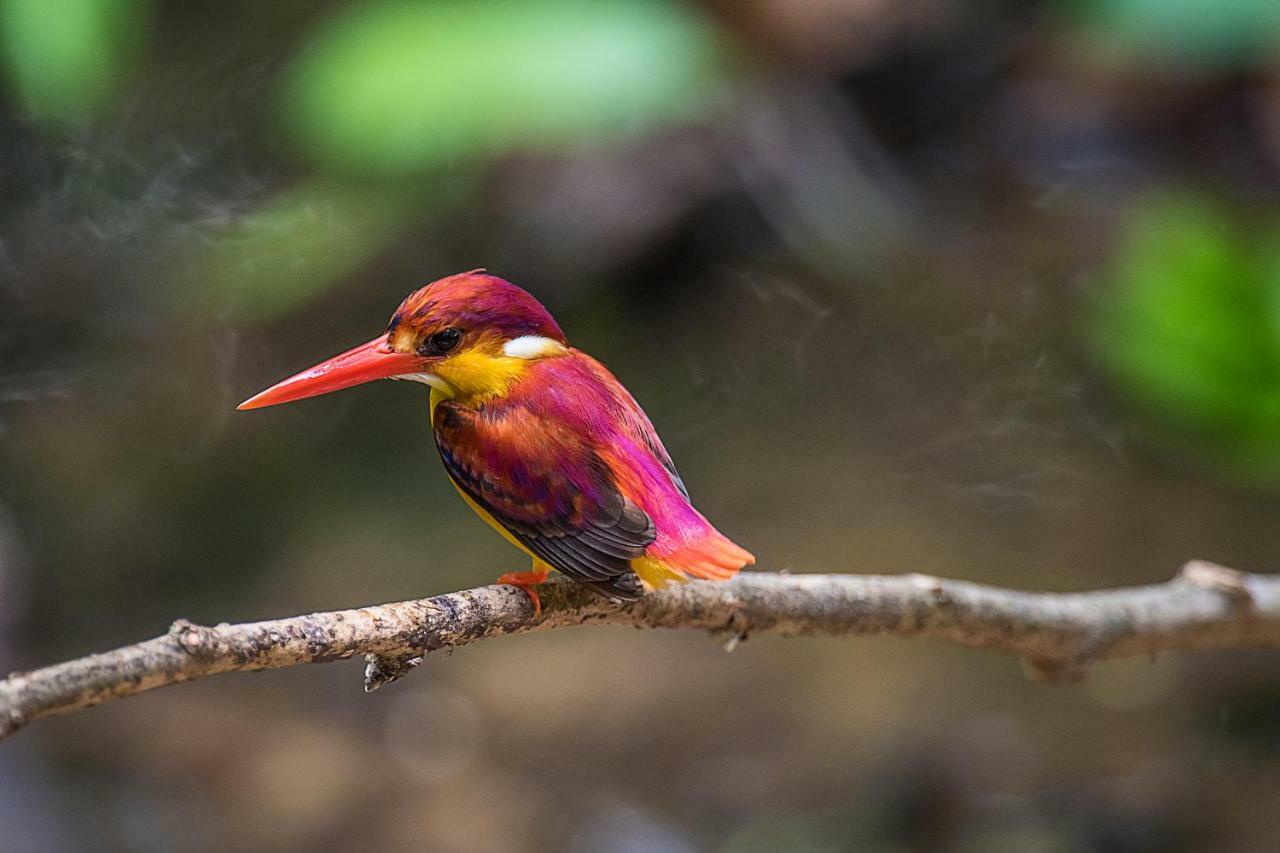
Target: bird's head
468,336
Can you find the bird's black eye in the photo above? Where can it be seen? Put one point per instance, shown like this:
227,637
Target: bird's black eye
441,342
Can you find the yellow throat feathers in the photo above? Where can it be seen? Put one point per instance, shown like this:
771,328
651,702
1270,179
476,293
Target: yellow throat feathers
476,377
487,370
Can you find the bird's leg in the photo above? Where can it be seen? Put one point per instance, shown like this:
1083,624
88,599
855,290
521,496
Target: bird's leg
527,581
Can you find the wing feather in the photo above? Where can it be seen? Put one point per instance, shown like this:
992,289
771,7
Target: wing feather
550,490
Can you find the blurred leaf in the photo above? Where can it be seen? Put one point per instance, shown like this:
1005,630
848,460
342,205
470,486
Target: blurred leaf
297,244
1208,32
398,86
1190,330
66,57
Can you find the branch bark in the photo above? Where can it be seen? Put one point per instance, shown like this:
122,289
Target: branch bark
1057,634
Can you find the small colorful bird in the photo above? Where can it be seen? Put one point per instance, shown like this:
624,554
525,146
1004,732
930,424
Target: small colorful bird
539,438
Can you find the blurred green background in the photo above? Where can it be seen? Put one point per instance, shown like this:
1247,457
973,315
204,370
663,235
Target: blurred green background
989,291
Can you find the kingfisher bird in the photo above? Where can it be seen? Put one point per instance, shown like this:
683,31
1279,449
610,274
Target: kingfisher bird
538,437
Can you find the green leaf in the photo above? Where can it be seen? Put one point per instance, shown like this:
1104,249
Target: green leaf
66,58
401,86
1189,331
1214,33
298,244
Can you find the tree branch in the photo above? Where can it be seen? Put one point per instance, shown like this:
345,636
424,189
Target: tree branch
1057,634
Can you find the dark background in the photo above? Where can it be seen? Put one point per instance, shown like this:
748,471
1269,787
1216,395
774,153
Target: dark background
985,290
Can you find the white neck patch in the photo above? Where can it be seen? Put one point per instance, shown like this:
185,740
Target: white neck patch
531,346
427,379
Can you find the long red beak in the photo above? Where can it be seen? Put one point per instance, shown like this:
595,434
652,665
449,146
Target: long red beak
365,363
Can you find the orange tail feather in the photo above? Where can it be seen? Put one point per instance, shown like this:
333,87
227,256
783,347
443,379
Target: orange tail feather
713,558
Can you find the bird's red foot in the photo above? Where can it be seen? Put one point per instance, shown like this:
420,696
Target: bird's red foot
527,581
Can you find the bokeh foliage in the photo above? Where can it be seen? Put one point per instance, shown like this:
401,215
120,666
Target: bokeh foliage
398,104
1194,34
67,59
396,86
1189,326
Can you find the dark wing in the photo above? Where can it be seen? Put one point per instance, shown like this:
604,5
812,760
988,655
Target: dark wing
550,490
